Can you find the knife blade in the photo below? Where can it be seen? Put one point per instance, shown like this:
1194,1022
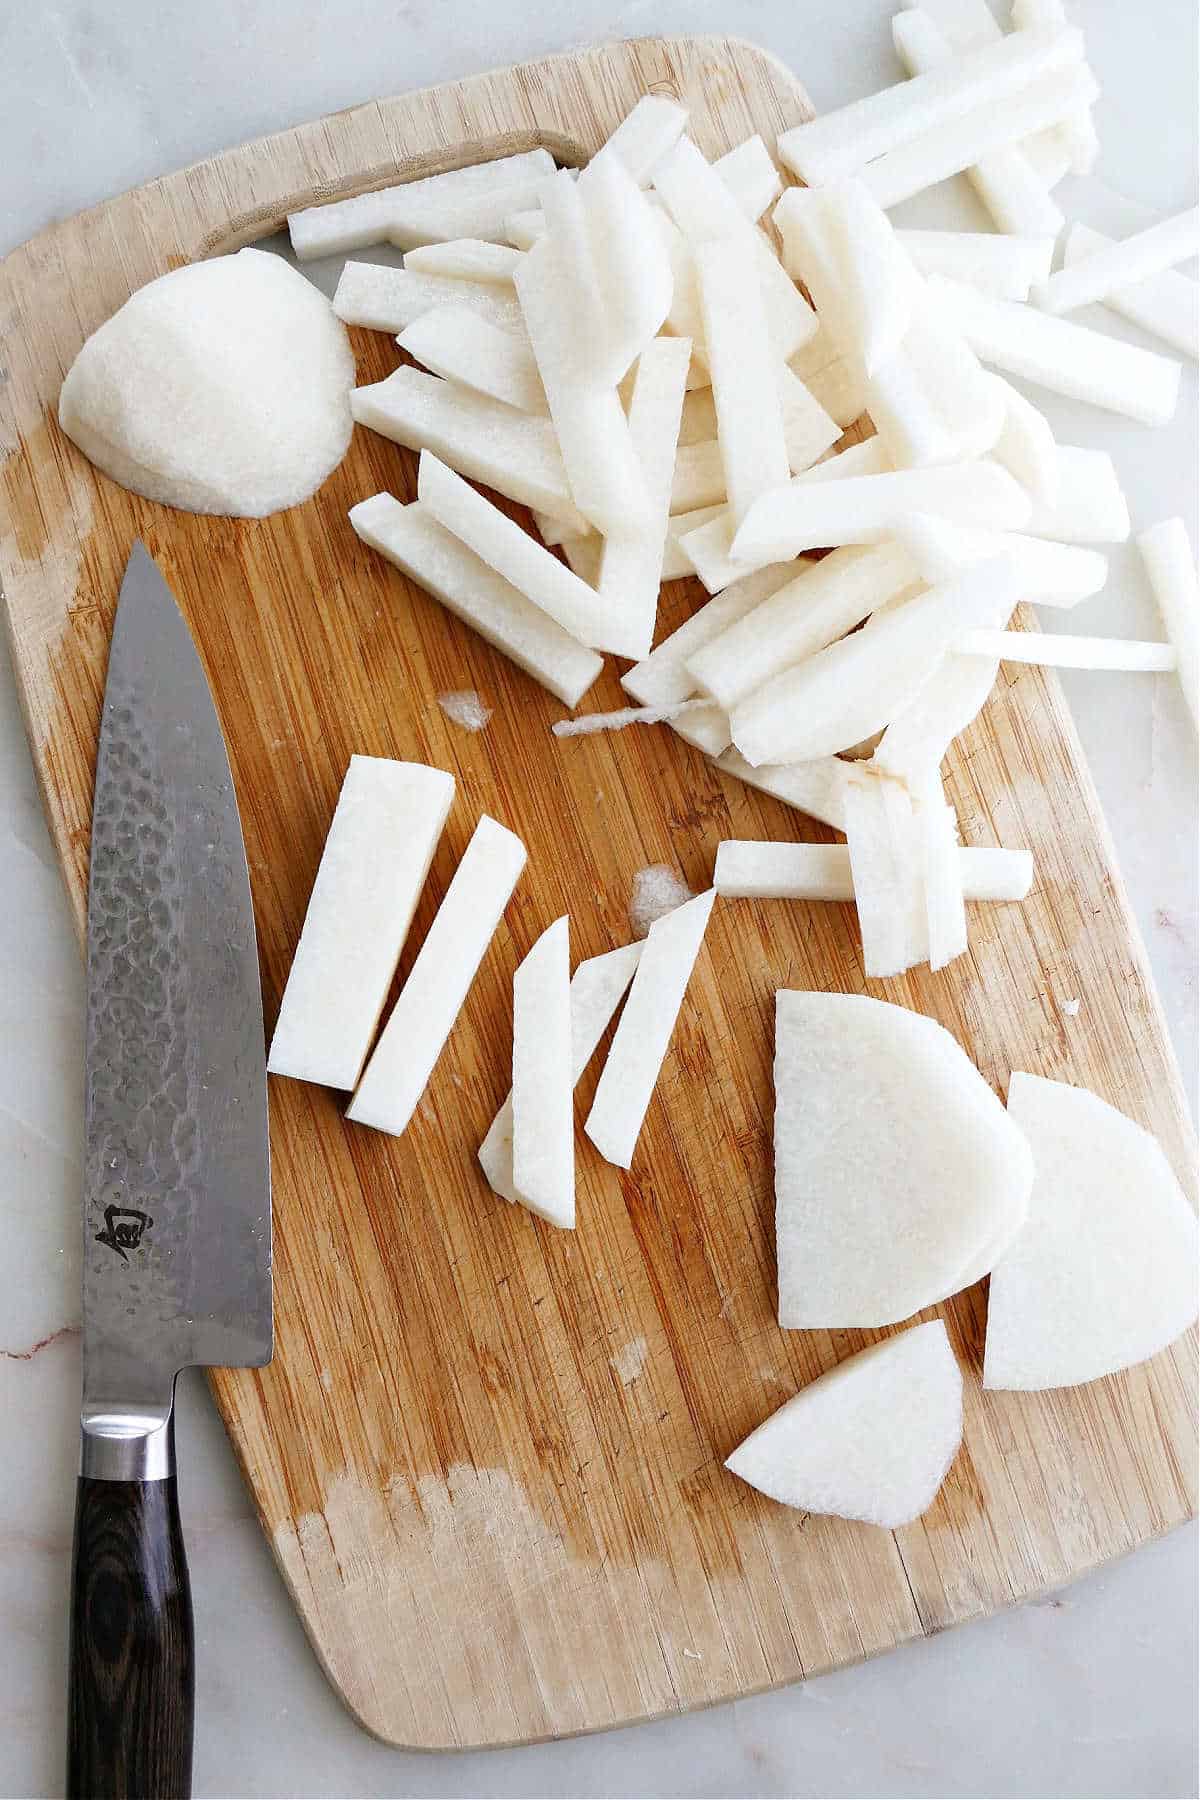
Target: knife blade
176,1201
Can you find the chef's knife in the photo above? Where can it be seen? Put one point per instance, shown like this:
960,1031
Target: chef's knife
177,1201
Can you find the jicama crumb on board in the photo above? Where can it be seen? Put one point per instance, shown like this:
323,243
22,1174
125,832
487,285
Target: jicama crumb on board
464,707
657,890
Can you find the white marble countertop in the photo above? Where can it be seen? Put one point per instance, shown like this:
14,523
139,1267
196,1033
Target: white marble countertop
1090,1693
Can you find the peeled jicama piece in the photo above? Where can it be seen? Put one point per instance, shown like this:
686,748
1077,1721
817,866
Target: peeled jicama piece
749,172
1168,558
745,391
460,203
1105,271
644,1032
646,134
1089,506
894,1161
1025,445
932,403
663,678
846,251
472,259
1076,131
841,388
583,556
1058,575
1103,1273
886,864
872,1439
698,423
381,298
524,227
817,788
409,537
1167,304
677,564
754,870
543,1134
462,345
941,872
992,262
636,280
920,734
1058,650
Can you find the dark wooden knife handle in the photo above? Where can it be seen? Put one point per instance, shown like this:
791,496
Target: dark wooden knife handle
130,1701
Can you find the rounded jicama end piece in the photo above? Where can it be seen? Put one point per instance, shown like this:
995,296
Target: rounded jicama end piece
1103,1274
871,1440
222,387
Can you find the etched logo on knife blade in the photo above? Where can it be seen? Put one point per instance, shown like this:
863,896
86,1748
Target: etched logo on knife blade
124,1228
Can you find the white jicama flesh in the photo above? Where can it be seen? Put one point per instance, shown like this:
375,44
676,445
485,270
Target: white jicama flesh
1025,445
469,259
942,880
873,1439
644,1032
188,393
1168,558
663,678
1058,575
1103,1273
524,228
920,734
381,298
994,263
419,212
434,558
385,829
1065,357
1058,650
841,388
932,403
745,392
754,870
844,248
1076,131
699,476
706,728
543,1136
1089,506
1122,264
432,997
676,562
887,866
647,134
461,345
633,264
749,172
597,988
1167,304
894,1161
817,788
515,453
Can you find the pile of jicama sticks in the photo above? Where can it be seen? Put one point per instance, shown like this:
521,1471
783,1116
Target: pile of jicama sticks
631,353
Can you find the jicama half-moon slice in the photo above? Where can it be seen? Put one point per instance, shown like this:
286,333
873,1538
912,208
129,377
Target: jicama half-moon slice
894,1161
420,212
381,298
432,997
872,1439
663,678
462,345
1168,558
817,788
1167,304
749,869
1103,1273
381,841
543,1134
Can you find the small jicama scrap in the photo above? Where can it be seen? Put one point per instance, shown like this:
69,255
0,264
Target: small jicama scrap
381,298
543,1135
657,891
817,788
1089,506
1058,575
432,997
1167,304
996,264
1025,445
434,558
462,345
1060,355
463,706
381,841
470,259
1120,265
597,989
887,867
895,1163
644,1033
471,202
873,1439
1168,558
663,678
752,870
592,724
1103,1273
745,391
1058,650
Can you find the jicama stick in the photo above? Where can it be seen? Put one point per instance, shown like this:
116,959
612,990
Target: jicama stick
502,544
543,1134
865,509
823,602
1059,575
863,283
636,279
816,788
1167,304
1060,355
1089,506
432,997
933,403
461,345
699,477
469,259
418,212
515,453
646,134
749,172
936,841
381,841
583,556
576,270
706,728
663,678
1122,264
751,870
597,989
995,264
809,431
1077,131
436,560
921,733
676,562
745,391
1056,650
1025,445
841,388
885,869
384,299
645,1028
1168,559
869,457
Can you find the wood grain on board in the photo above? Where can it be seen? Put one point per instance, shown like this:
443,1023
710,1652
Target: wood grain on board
488,1454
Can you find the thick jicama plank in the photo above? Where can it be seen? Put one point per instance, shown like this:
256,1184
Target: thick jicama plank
823,602
515,453
663,678
817,788
1167,304
1065,357
745,390
436,560
1059,575
597,988
1123,264
749,172
1168,558
643,1035
854,687
751,870
1058,650
468,259
634,267
432,997
1025,445
384,299
543,1136
863,283
419,212
381,841
504,546
1089,506
463,346
631,561
865,509
996,264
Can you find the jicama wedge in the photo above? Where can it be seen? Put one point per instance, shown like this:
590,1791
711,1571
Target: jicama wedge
994,263
636,278
502,544
471,259
1057,650
750,870
886,866
865,509
463,346
1059,575
409,537
644,1032
1168,558
1089,506
381,841
663,678
432,997
1065,357
386,299
1122,264
420,212
1103,1273
894,1161
816,788
745,390
823,602
543,1131
597,989
1167,304
515,453
854,687
1025,445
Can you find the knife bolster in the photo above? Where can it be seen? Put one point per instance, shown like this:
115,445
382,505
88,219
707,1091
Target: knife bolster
123,1444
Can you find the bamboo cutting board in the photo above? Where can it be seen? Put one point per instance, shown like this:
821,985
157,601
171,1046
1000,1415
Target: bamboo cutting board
488,1454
